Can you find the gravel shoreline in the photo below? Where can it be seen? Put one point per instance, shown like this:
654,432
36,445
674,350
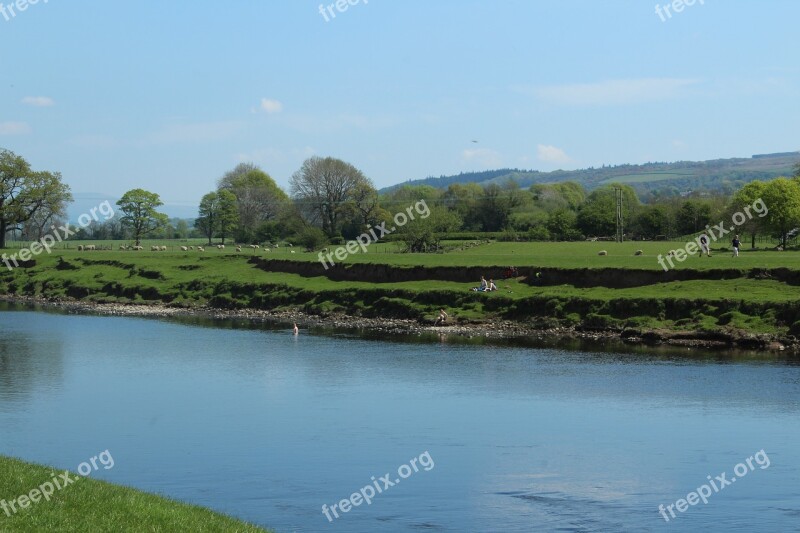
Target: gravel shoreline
498,330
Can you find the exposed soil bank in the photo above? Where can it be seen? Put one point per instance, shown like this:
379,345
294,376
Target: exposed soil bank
577,277
499,330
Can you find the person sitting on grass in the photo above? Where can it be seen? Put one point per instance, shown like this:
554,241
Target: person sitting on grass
492,286
442,318
483,285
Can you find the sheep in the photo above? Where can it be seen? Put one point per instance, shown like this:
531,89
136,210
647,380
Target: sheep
163,248
80,247
184,249
138,248
602,252
293,251
639,252
91,247
220,247
201,249
239,249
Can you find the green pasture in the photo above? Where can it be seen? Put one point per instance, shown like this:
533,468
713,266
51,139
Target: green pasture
536,254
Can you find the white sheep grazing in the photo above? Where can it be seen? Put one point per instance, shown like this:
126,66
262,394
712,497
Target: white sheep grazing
220,247
139,248
266,249
639,252
602,252
80,247
292,251
163,248
201,249
184,249
153,248
91,247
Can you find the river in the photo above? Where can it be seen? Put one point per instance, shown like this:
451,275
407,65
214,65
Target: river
258,423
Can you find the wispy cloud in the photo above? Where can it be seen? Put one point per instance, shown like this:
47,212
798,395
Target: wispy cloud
483,156
270,106
196,133
14,128
39,101
612,92
552,155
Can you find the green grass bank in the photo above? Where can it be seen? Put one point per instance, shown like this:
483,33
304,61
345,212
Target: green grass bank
92,505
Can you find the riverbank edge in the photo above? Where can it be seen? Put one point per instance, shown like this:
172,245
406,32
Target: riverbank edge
504,330
93,504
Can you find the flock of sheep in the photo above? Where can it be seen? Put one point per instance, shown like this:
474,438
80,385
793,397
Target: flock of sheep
605,252
154,248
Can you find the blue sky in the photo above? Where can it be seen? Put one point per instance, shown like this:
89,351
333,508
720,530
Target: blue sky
169,95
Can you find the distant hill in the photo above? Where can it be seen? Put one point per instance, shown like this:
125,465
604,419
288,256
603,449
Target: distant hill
717,174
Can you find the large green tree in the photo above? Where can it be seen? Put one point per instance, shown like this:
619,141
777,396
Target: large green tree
425,234
139,213
258,197
746,197
218,214
693,216
25,194
598,216
782,198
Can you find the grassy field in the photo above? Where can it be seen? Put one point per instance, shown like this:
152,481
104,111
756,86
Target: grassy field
91,505
539,254
574,255
227,279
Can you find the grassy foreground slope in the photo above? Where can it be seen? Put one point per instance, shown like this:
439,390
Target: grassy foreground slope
752,293
92,505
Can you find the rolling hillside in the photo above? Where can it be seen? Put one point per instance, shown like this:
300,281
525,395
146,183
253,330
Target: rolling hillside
718,174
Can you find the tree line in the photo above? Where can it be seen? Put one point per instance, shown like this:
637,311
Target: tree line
330,201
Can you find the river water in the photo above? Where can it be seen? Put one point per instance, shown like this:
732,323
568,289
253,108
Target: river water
269,427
